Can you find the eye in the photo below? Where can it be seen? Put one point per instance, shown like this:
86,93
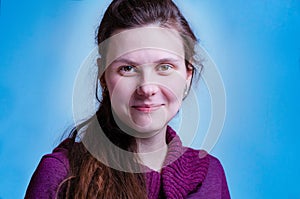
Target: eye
165,67
127,70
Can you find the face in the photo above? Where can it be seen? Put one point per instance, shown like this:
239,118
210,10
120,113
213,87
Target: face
146,86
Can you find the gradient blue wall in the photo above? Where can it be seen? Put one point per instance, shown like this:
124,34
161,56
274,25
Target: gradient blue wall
255,44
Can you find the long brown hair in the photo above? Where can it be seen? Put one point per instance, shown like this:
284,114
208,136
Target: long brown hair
88,177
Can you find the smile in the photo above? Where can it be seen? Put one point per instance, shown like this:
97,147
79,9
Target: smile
147,107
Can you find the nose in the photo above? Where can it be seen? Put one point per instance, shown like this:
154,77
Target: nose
147,86
147,90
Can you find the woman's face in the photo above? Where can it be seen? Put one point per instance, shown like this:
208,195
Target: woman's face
147,84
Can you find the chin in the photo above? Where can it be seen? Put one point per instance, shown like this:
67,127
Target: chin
147,132
141,129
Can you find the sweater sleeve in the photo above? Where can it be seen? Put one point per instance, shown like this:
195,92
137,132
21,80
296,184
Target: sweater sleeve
51,171
214,185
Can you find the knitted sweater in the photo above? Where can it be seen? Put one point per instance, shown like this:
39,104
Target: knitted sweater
187,173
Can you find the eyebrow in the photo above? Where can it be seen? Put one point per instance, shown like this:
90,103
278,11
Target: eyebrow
163,60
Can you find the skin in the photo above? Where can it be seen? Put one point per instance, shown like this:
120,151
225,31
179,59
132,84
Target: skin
146,88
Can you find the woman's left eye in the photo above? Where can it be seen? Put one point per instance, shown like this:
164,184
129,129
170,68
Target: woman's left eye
165,67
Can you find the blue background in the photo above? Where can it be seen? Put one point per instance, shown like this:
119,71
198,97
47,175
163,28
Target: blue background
256,45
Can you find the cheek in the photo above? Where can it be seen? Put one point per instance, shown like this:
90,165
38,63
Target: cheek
175,86
111,81
120,89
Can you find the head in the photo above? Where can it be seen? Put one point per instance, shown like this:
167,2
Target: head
145,84
145,80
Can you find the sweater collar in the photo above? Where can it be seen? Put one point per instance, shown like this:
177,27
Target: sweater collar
183,170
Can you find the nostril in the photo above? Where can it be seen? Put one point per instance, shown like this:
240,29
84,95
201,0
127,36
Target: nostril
147,90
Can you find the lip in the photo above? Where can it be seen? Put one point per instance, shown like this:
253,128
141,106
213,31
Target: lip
147,107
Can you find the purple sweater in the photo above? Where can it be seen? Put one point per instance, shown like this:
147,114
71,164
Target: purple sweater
187,173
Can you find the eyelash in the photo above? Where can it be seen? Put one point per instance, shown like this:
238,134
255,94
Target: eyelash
131,69
163,65
123,68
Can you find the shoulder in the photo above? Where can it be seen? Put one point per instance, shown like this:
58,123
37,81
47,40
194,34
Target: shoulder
215,184
57,161
51,171
211,167
213,164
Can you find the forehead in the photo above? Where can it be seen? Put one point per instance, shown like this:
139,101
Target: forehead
147,41
148,56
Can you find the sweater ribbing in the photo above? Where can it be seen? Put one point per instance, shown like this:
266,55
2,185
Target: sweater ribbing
182,173
186,173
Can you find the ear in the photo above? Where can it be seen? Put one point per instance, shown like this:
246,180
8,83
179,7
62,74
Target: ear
100,67
99,62
189,74
101,74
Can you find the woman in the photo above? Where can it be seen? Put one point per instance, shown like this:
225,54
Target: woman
127,150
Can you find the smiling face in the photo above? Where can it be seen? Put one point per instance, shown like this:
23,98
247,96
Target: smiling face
147,84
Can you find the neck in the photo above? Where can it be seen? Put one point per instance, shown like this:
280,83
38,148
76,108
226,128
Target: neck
153,150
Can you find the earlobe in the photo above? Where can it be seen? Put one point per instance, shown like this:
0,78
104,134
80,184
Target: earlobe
186,89
189,76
